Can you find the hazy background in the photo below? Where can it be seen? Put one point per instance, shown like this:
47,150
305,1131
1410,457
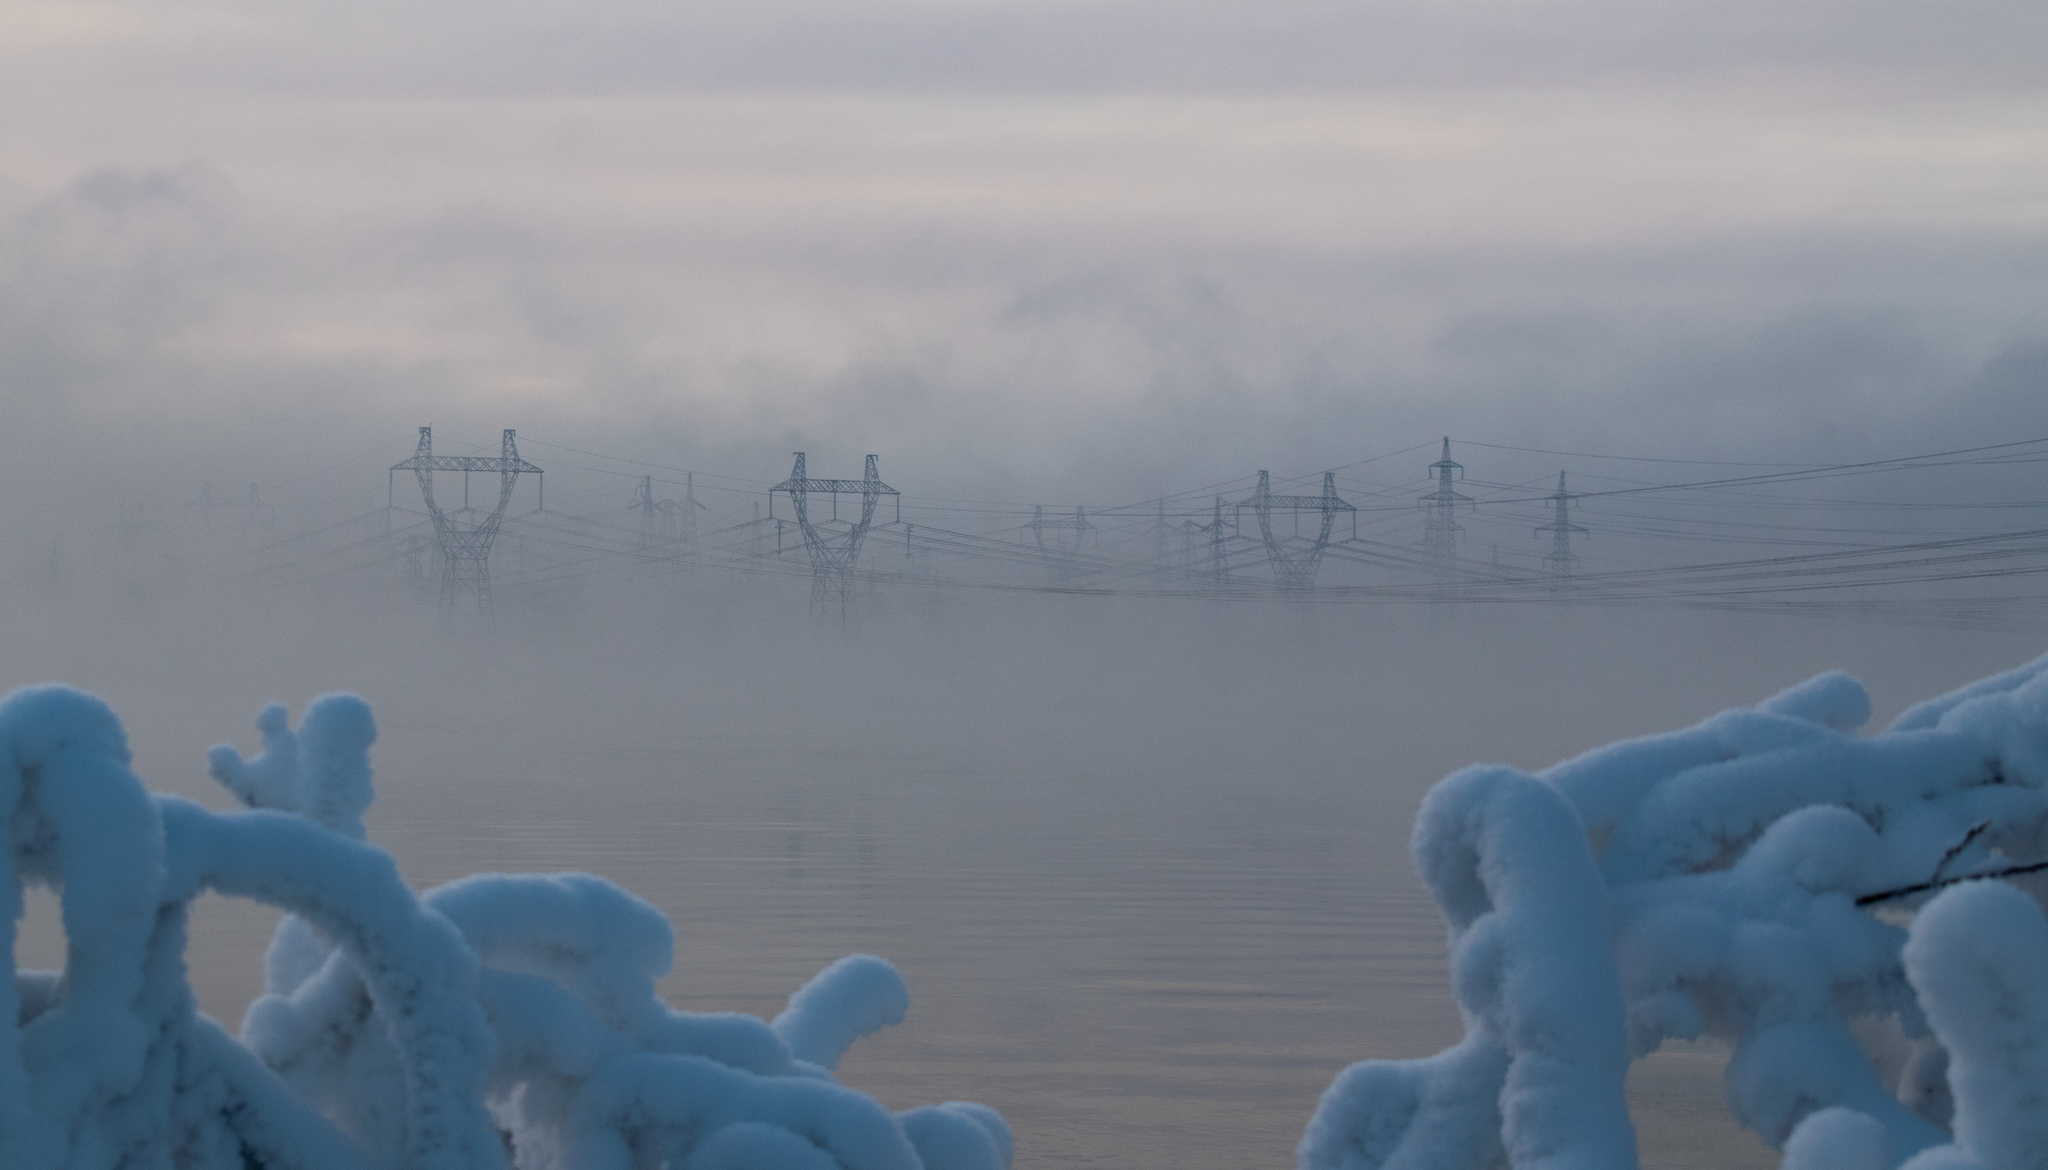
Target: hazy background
1141,860
1074,249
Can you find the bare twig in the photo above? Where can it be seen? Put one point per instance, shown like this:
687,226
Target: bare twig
1943,883
1956,850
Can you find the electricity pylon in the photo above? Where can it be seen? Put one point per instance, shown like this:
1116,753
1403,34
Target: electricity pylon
1078,522
463,537
1217,555
1440,527
1295,570
683,517
1059,563
205,504
833,555
253,509
1561,557
667,526
651,515
415,550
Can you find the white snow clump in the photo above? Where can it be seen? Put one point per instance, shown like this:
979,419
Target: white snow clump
1747,880
498,1021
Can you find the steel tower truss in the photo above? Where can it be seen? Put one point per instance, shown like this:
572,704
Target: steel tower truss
1561,557
463,537
833,555
1440,526
1040,522
1295,569
667,526
1217,534
1059,562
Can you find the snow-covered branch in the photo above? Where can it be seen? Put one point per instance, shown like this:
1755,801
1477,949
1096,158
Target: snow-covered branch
502,1020
1723,882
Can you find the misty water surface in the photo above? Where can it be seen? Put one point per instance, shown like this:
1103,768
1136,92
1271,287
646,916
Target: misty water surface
1144,866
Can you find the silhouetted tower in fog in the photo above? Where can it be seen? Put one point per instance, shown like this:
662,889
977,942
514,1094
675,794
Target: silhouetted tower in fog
463,537
683,521
1560,528
650,514
1059,560
415,550
1217,553
205,504
1078,522
667,527
833,551
1295,568
1440,516
253,509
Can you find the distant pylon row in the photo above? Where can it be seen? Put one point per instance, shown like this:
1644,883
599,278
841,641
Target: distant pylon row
1440,528
463,537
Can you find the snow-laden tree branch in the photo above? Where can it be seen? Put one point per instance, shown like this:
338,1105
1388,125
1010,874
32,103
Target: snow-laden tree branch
496,1021
1706,884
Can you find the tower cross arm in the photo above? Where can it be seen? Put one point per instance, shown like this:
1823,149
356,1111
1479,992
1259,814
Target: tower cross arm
1304,503
1264,498
851,486
514,465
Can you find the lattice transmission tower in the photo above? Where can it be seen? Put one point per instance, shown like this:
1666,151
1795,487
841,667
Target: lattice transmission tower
1219,555
652,515
206,505
1059,561
1161,530
463,537
1440,528
1295,569
683,517
667,527
1560,528
833,552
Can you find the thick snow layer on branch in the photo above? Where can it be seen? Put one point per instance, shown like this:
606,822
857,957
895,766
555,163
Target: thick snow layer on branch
1543,1062
857,995
1837,1139
1725,882
1979,958
499,1020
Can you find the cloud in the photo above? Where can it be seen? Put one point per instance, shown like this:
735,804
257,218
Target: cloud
1067,47
1101,247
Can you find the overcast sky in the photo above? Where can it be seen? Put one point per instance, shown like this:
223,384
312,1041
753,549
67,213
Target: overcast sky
1070,249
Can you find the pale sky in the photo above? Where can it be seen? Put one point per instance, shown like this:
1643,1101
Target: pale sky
1135,245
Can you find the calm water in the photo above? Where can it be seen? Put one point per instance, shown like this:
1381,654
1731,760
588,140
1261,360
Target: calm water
1146,876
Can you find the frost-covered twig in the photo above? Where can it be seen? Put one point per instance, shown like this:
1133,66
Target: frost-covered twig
1959,848
1945,883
